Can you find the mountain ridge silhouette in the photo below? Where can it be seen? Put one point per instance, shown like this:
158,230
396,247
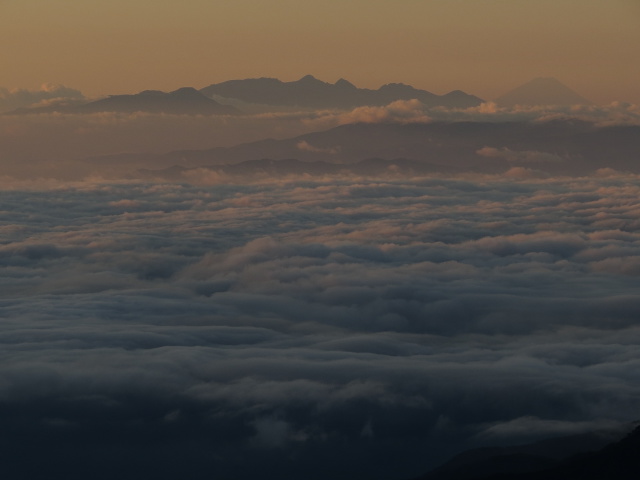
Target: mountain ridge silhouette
556,147
594,455
183,101
313,93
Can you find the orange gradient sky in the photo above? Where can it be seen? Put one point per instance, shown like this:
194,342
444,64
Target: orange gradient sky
484,47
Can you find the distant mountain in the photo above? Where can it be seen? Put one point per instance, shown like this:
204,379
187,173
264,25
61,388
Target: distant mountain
541,91
186,100
617,461
313,93
512,462
555,147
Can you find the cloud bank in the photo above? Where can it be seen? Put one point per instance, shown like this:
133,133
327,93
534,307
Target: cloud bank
342,328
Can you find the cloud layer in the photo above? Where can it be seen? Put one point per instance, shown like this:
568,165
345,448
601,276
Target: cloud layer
342,328
11,99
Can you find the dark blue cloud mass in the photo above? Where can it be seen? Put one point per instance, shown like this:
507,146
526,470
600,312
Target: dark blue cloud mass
343,328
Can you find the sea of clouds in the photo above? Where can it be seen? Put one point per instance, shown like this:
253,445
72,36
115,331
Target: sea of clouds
348,327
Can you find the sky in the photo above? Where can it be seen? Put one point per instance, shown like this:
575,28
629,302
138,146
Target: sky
484,47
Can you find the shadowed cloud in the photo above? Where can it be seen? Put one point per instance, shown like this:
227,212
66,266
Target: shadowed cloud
312,328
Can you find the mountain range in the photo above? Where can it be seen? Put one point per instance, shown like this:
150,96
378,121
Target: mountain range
313,93
307,92
184,101
556,147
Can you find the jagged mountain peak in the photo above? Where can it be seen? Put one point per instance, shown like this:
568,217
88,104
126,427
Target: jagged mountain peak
311,80
311,92
342,83
186,91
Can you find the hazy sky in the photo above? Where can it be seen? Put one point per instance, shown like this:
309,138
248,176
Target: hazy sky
481,46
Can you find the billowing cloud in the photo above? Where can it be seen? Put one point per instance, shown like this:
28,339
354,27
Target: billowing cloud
312,328
530,427
408,111
523,157
615,113
20,98
398,111
306,146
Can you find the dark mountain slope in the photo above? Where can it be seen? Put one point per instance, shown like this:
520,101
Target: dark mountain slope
596,455
184,101
618,461
483,463
555,147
